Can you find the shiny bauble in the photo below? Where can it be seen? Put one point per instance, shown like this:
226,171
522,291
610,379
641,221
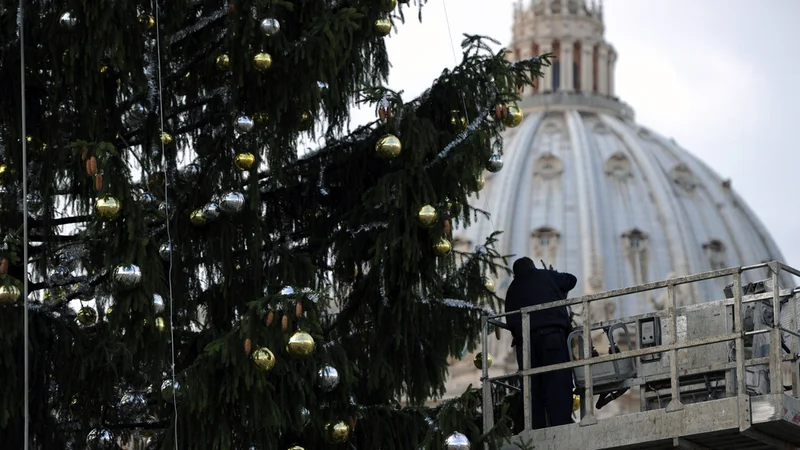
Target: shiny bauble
243,124
190,173
223,62
211,211
170,389
262,61
488,283
479,182
100,438
197,218
427,216
388,146
127,276
300,344
68,20
160,324
454,208
478,360
306,121
264,359
337,432
514,117
328,378
576,402
495,163
166,138
244,161
443,247
456,441
147,21
270,26
35,205
165,251
107,208
388,5
232,202
457,121
148,200
322,85
87,316
296,447
158,304
9,294
382,27
305,417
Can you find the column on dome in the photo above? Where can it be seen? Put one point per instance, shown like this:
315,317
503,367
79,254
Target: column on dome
612,65
587,64
546,84
525,52
602,69
565,59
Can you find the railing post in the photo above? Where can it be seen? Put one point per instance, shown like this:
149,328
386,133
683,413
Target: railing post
526,364
741,387
775,355
675,402
486,387
588,394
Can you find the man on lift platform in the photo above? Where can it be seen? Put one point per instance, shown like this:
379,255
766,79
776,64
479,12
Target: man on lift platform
551,392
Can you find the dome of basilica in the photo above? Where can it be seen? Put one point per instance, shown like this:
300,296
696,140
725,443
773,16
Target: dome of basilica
589,191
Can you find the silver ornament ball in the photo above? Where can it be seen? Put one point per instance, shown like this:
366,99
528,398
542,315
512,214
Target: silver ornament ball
495,163
328,378
232,202
211,211
127,277
148,200
158,304
243,124
270,26
103,438
456,441
190,173
165,251
67,20
305,417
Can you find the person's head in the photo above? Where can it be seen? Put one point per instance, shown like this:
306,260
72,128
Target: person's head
523,265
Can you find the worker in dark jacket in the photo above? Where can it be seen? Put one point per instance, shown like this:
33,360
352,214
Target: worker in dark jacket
551,392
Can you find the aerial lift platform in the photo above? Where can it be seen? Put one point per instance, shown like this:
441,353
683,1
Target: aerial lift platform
713,375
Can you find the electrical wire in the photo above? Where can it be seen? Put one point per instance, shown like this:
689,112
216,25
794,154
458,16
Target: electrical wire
24,134
169,234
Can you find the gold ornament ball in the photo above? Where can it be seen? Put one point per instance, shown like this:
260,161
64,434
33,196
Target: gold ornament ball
383,27
300,344
147,21
388,146
223,62
427,215
87,316
478,360
107,208
442,247
488,283
197,217
514,117
262,61
576,402
296,447
264,359
3,171
338,432
166,138
9,294
244,161
479,183
160,325
458,121
388,5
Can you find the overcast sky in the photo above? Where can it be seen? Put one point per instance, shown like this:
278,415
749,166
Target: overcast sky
721,77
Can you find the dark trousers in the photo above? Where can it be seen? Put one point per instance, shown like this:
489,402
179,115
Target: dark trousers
551,392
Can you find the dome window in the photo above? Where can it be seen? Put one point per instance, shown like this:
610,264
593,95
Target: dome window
544,241
635,240
548,166
683,177
618,166
635,248
715,251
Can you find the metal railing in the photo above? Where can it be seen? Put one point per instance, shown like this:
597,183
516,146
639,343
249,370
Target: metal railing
774,360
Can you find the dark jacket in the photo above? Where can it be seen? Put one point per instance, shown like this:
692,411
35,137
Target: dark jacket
533,286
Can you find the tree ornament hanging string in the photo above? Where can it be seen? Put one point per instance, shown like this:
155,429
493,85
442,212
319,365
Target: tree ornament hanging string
464,103
157,15
23,134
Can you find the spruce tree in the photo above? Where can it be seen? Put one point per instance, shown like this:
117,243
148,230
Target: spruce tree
213,255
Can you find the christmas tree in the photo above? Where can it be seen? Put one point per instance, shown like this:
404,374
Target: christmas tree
198,279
